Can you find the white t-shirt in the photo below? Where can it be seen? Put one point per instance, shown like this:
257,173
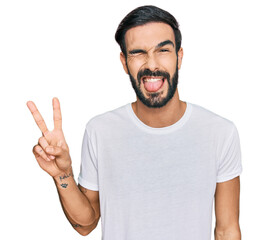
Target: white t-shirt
158,183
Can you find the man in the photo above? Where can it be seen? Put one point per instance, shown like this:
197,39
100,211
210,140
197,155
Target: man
150,168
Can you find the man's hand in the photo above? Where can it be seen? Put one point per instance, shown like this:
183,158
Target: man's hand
58,160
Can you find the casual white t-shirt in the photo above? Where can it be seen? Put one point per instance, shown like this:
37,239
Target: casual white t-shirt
158,183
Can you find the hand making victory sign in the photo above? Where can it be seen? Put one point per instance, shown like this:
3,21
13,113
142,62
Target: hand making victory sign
58,160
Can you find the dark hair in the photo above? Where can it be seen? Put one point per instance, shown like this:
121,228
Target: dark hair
143,15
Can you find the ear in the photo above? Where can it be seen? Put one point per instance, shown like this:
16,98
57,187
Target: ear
123,61
180,56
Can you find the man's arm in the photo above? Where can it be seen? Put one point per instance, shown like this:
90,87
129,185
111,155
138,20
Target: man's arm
52,155
77,207
227,197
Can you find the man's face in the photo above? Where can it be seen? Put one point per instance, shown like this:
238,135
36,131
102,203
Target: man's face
152,63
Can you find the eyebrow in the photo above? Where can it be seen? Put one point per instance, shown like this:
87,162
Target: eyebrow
161,44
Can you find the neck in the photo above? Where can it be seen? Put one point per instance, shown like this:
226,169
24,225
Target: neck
160,117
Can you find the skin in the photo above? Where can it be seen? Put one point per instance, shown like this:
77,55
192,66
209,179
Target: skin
227,198
154,59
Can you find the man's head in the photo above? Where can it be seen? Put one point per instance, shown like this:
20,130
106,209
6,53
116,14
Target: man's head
150,42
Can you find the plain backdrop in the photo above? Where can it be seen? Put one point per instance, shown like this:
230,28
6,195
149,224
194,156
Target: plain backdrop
66,49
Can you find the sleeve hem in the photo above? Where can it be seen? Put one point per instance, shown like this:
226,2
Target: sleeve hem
228,177
87,185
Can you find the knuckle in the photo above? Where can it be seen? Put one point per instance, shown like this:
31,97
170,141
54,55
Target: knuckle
35,148
46,132
40,121
57,119
60,151
40,140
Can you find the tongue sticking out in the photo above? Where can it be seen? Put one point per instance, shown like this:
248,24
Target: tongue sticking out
153,86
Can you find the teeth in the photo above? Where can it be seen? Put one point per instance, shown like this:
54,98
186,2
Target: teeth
152,79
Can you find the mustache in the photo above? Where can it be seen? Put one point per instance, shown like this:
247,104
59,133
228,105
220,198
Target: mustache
148,72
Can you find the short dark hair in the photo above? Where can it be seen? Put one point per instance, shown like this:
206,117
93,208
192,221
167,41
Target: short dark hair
143,15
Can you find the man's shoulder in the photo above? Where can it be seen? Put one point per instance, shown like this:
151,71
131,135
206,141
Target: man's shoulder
208,117
108,118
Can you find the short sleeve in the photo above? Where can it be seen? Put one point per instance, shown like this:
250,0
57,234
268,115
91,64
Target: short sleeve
230,164
88,176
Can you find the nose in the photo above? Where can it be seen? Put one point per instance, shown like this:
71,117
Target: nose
151,62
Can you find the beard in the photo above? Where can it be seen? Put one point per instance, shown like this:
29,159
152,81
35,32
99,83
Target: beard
154,99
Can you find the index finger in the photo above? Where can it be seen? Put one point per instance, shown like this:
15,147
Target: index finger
38,118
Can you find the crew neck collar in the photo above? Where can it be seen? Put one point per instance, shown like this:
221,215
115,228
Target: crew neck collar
162,130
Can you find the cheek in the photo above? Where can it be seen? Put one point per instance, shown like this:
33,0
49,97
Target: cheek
169,65
134,66
167,60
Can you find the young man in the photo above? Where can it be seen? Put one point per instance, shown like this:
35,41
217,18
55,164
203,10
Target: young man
151,168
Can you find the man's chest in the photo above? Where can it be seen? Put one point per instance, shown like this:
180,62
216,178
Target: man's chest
159,166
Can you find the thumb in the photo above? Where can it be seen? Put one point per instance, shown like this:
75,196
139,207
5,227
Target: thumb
53,150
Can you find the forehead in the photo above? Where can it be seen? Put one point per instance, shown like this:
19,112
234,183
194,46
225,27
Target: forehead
148,35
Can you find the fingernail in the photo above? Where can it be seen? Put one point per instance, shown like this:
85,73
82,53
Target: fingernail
49,149
51,157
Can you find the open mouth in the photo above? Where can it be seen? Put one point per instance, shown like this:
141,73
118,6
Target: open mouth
153,84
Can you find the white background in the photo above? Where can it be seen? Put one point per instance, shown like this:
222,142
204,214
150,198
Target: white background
67,49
